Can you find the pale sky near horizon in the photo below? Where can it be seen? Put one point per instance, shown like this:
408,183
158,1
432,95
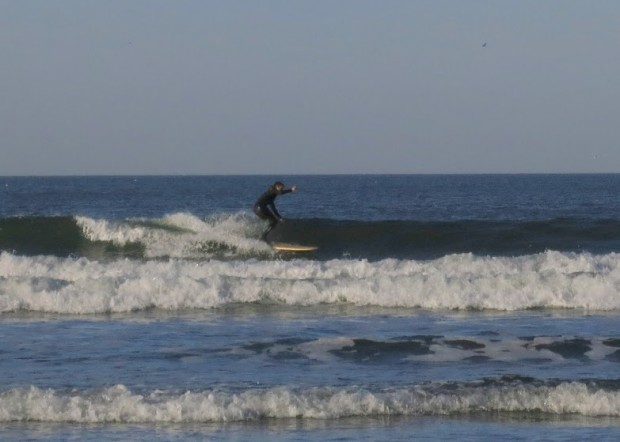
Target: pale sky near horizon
309,86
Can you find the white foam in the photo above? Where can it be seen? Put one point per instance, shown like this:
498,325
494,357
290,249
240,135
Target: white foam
181,235
104,230
120,405
547,280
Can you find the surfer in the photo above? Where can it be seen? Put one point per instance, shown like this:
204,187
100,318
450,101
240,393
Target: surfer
265,208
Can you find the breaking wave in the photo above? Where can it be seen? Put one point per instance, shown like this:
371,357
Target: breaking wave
118,404
236,236
461,282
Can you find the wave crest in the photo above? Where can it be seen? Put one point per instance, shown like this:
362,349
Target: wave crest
181,235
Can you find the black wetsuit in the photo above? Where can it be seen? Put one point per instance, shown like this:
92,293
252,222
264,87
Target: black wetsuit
265,208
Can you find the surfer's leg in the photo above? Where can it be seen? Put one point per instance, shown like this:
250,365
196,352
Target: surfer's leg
272,223
265,214
258,211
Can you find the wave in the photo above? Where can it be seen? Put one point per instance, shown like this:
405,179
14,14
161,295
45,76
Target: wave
179,235
462,282
433,239
118,404
182,235
236,235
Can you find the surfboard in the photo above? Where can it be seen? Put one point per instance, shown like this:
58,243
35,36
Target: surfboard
293,248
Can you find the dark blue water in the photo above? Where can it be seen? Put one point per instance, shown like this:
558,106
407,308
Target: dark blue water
334,197
485,307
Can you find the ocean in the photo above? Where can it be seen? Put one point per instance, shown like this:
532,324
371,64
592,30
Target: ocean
437,307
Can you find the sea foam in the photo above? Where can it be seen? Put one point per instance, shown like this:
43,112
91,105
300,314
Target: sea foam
119,404
83,286
181,235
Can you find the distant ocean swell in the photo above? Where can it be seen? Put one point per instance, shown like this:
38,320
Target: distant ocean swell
120,405
236,235
460,281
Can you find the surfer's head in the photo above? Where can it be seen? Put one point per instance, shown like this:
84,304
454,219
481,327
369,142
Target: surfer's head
279,186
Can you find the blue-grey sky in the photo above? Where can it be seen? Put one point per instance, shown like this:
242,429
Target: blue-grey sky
309,86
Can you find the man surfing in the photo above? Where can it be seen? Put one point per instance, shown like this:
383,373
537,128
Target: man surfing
265,208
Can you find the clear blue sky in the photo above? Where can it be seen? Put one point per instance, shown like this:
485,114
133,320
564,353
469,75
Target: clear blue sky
309,86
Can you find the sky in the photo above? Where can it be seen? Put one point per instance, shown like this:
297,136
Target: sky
134,87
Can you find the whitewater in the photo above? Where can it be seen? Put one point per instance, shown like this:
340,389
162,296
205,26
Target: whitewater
460,282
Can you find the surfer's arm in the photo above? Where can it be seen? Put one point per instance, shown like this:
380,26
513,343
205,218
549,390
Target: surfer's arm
292,189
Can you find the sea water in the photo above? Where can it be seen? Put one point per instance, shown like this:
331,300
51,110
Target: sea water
437,307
